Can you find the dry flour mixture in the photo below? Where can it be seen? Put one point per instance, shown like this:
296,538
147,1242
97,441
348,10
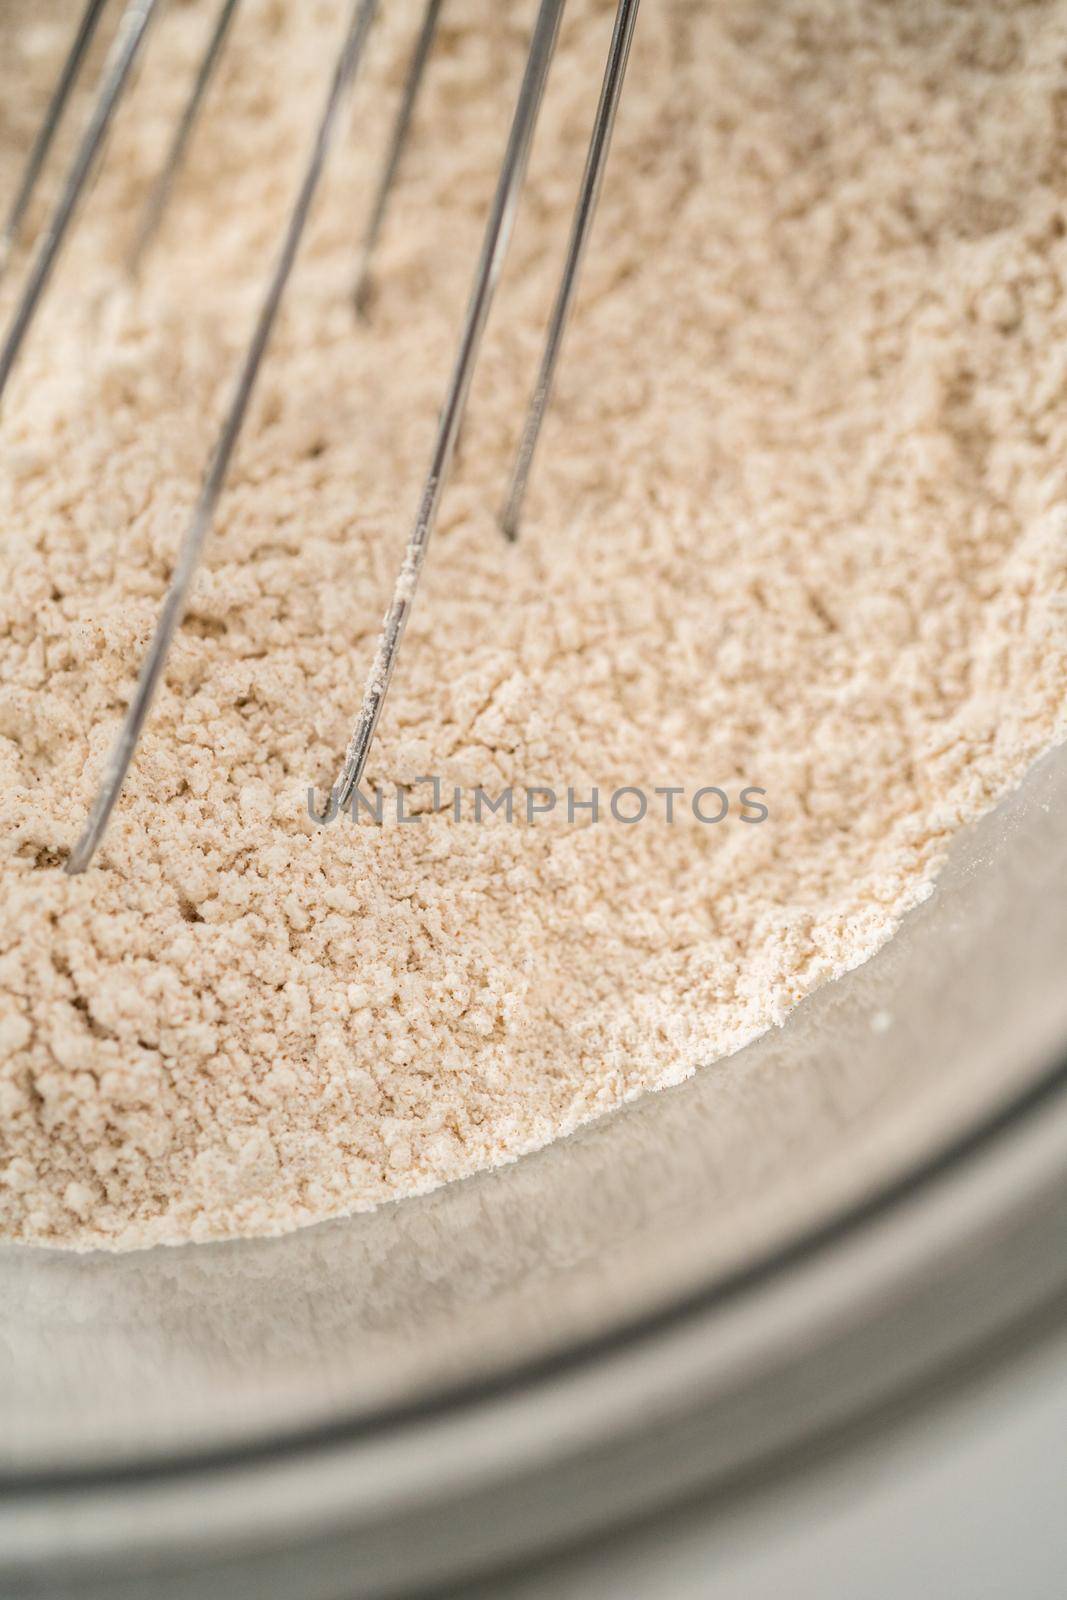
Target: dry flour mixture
798,525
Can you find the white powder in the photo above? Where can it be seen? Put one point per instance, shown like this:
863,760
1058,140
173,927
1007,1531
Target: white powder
798,522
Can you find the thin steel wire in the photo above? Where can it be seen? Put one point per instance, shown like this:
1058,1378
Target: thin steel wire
395,154
132,30
173,607
163,187
494,249
585,211
38,155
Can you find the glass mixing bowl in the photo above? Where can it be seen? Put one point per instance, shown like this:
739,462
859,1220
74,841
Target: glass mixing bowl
677,1292
685,1292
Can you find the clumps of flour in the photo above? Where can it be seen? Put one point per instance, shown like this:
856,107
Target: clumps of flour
798,522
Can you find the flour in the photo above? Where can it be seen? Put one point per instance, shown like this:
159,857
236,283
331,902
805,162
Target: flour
798,522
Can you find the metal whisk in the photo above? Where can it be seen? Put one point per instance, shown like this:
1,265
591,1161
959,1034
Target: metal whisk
129,39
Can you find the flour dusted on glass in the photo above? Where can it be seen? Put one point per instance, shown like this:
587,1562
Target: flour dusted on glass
798,521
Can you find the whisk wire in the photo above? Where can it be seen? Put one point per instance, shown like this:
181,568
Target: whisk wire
585,212
173,607
163,188
398,141
132,30
490,263
53,116
129,38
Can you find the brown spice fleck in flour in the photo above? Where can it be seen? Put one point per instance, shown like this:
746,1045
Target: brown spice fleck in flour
800,521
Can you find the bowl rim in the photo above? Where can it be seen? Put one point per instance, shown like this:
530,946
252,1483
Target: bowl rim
1044,1096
